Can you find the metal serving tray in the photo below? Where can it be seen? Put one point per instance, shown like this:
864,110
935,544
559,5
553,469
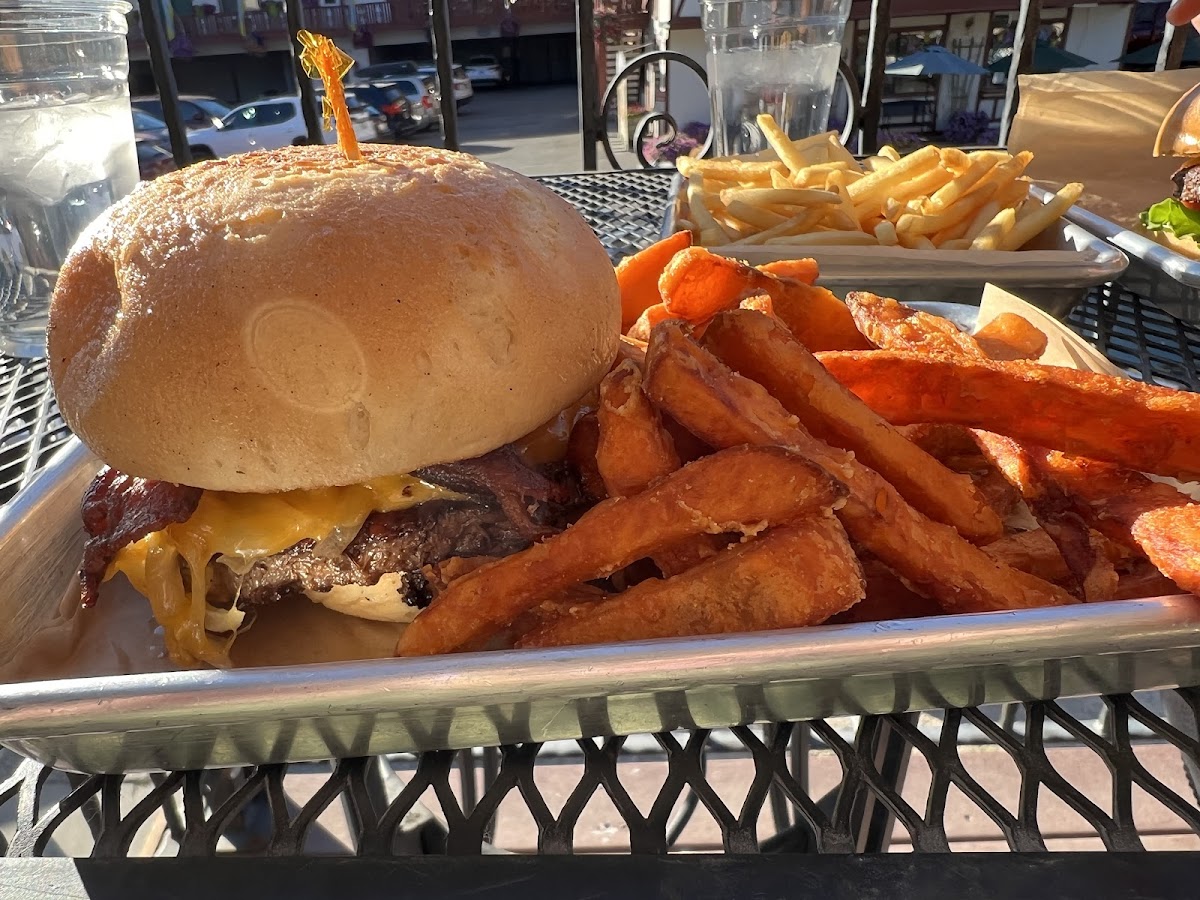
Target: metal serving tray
1169,278
1055,275
196,719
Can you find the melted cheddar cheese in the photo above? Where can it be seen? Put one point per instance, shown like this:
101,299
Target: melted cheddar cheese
241,529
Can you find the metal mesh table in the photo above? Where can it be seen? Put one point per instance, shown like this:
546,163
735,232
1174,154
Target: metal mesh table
481,801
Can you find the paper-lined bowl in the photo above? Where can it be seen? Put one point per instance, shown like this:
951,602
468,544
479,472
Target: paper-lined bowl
1054,272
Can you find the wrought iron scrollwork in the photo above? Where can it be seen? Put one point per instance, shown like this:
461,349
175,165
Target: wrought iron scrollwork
845,77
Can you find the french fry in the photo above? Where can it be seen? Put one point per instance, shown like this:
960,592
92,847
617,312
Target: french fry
791,577
1041,218
877,163
699,211
956,244
980,221
728,169
1008,171
885,233
993,233
877,184
688,226
637,275
1138,426
839,220
775,196
725,409
915,241
827,239
889,152
764,350
742,489
957,188
1015,194
780,181
757,216
790,152
797,224
954,159
933,222
839,154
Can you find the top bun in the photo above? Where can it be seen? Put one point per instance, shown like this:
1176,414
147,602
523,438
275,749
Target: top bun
1179,133
292,320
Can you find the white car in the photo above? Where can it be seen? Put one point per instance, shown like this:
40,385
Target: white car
275,122
485,71
463,92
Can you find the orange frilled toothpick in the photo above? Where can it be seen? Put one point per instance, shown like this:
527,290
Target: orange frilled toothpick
322,59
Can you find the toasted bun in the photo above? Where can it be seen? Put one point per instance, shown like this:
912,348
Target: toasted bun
1183,246
290,319
1179,133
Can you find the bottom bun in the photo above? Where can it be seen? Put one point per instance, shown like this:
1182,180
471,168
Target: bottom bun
1183,246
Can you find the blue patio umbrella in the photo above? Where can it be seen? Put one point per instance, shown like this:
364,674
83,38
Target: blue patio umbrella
1046,59
934,60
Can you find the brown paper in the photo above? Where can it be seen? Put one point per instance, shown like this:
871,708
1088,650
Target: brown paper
1098,128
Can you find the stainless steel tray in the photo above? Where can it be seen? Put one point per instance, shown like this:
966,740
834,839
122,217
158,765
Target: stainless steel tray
1169,279
1055,275
196,719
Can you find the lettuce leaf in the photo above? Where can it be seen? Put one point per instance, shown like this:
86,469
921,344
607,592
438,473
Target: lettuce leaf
1171,215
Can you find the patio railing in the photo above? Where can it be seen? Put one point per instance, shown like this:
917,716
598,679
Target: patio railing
439,15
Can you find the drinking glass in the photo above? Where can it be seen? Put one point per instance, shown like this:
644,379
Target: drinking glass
771,56
67,148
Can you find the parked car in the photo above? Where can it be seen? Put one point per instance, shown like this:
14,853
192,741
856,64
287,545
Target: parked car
153,159
389,100
423,98
275,122
384,70
463,92
148,128
369,123
485,71
198,111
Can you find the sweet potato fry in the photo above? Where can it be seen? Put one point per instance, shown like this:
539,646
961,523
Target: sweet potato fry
1145,580
651,316
790,577
805,270
725,409
1009,336
1139,426
891,325
895,326
697,284
1031,551
818,319
633,448
765,352
1130,508
637,275
743,489
759,303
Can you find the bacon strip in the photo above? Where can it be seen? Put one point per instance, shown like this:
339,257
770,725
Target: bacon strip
120,509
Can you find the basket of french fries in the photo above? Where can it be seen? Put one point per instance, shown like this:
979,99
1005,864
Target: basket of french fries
935,214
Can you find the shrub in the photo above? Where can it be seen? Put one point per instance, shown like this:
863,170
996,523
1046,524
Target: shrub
690,138
967,127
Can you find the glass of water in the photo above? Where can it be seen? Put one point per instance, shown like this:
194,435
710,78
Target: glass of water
771,56
67,149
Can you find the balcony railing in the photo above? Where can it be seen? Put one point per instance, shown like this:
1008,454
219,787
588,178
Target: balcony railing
589,15
400,15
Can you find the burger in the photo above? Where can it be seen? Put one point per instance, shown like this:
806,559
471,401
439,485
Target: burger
1175,221
319,379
